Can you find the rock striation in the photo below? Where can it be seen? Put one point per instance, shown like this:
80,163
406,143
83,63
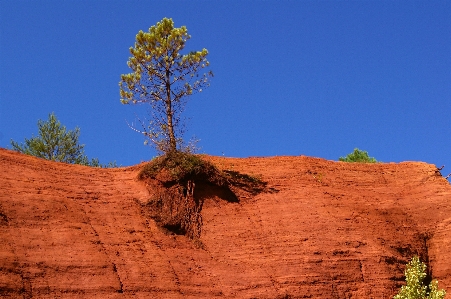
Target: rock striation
325,230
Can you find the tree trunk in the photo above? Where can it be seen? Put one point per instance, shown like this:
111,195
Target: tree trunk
169,114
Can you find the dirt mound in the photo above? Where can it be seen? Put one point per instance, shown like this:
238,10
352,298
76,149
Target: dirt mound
327,230
177,183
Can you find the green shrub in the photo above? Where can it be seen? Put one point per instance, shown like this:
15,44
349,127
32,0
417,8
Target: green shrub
358,156
55,143
415,289
181,167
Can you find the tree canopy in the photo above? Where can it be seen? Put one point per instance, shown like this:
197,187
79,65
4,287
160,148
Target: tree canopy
56,144
53,143
163,78
358,156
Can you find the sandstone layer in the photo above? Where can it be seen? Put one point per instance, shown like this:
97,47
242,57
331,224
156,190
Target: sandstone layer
324,229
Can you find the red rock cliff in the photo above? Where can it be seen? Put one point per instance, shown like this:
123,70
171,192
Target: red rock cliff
333,230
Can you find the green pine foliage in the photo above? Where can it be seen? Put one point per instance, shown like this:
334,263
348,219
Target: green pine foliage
163,78
358,156
415,289
55,143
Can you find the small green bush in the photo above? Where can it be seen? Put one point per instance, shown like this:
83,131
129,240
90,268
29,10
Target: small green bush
55,143
358,156
415,289
181,167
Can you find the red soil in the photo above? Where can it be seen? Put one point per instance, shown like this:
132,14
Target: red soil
333,230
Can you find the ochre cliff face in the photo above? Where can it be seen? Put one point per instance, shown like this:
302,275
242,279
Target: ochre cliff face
327,230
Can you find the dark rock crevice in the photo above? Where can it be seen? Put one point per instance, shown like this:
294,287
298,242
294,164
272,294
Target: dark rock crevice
121,290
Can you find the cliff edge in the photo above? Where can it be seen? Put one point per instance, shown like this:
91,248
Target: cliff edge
326,230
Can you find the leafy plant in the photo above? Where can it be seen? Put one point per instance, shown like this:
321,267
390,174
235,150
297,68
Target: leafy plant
56,144
163,78
415,289
358,156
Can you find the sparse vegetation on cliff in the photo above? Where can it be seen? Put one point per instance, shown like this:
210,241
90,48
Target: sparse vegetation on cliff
178,182
56,144
181,167
163,78
358,156
415,289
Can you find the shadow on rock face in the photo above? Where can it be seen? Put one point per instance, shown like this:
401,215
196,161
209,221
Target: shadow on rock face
180,184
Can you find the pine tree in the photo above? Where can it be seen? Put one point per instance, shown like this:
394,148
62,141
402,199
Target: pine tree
55,143
163,78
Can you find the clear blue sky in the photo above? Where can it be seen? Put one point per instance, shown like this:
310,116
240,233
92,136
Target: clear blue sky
315,78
